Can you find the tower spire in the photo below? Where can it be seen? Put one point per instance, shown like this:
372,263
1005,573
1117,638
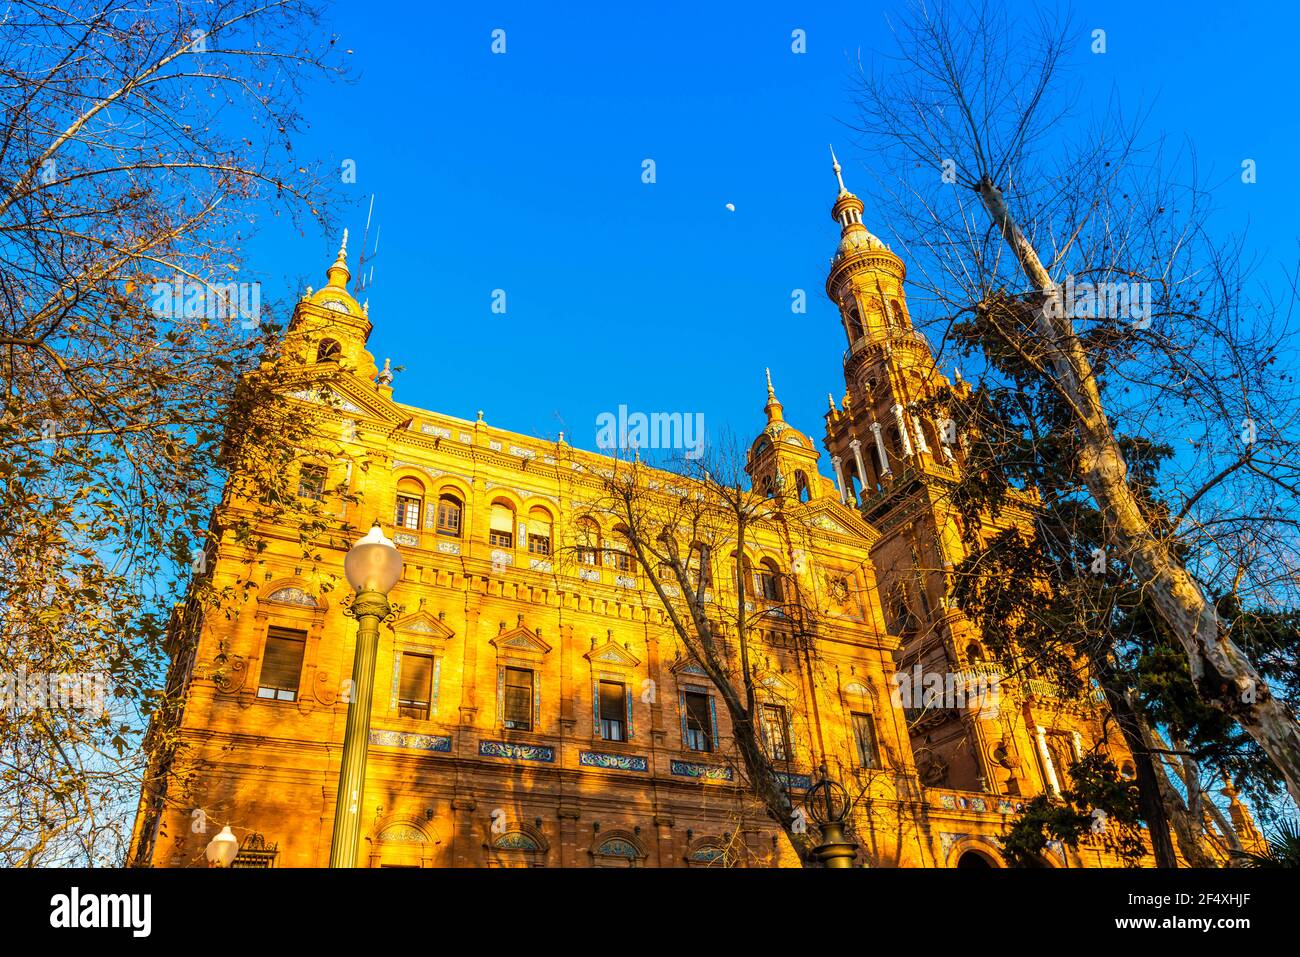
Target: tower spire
773,407
338,273
835,165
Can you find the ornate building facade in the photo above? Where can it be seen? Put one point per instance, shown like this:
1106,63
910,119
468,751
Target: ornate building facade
533,706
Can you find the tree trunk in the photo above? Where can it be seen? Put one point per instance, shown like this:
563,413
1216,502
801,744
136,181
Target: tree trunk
1221,673
1150,804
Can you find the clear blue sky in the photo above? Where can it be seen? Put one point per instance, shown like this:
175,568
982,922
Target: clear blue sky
523,172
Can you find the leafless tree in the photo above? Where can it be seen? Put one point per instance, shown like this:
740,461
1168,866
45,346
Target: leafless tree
139,142
1009,205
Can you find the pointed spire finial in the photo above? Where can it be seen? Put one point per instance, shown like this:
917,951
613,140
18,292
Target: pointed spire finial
386,374
773,405
338,273
831,399
835,165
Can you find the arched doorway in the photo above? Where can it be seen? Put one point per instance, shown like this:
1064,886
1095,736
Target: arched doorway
974,860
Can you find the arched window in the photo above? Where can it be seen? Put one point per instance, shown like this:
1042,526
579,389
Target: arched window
539,531
665,547
801,485
699,565
619,548
744,569
449,515
328,351
769,580
974,652
853,322
410,503
588,536
901,621
768,490
894,443
501,531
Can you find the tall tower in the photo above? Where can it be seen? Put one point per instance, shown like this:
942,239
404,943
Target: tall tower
329,327
890,462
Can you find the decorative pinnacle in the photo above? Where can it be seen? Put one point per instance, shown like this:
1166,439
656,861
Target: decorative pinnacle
835,165
773,406
831,399
338,273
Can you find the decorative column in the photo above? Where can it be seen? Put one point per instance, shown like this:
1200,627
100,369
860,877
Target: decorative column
920,434
1040,734
1076,740
856,446
880,448
903,431
839,479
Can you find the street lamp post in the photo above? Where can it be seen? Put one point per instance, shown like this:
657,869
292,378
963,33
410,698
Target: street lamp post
827,803
372,567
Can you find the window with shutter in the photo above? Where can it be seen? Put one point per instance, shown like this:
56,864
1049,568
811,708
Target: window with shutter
518,710
502,528
864,737
776,732
699,721
613,710
415,686
281,664
588,542
539,531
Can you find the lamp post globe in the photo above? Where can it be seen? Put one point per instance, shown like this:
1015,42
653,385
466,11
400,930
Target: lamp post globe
373,563
223,848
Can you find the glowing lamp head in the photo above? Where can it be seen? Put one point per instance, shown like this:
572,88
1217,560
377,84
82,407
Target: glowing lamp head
374,563
222,849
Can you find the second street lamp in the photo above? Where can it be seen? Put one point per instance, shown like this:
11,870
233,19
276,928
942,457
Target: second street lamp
373,567
827,803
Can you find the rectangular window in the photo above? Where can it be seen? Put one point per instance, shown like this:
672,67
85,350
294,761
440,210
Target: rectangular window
414,688
282,664
519,699
622,560
864,738
539,545
408,512
311,482
613,711
776,732
501,539
699,721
